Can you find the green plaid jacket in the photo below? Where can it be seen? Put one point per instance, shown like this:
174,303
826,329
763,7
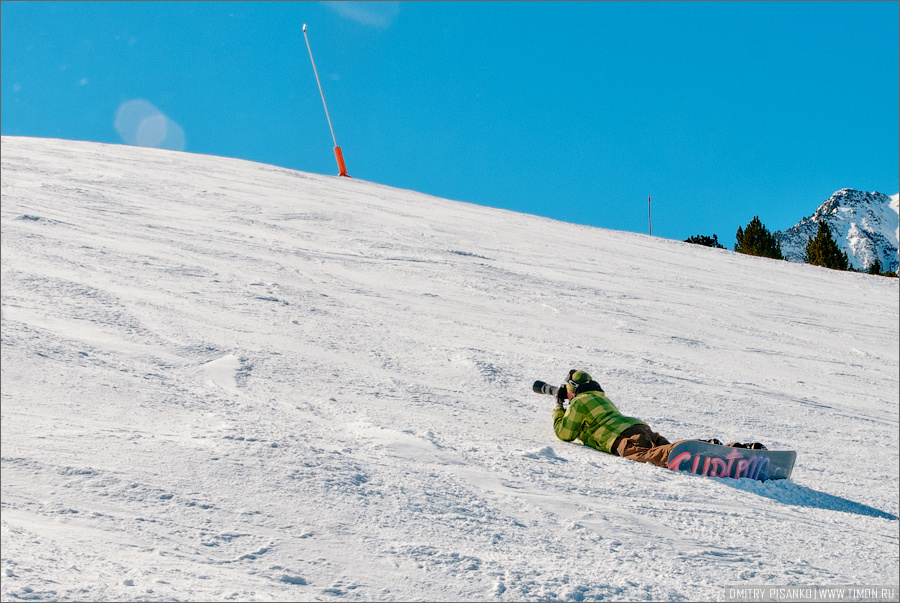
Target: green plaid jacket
593,419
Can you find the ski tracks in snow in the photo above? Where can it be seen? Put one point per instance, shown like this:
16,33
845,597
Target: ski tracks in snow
232,381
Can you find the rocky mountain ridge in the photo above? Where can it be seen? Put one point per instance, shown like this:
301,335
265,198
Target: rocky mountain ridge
864,225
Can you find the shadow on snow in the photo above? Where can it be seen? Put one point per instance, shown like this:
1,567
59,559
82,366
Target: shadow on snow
789,493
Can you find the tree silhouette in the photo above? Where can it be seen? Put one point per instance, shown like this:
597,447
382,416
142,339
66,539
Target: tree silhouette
705,241
824,251
757,240
875,267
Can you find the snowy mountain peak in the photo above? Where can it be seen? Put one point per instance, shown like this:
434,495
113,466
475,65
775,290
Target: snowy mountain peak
864,225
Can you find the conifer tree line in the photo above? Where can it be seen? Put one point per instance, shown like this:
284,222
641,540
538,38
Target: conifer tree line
757,240
821,250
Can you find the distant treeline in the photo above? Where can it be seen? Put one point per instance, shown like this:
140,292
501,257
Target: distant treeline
821,250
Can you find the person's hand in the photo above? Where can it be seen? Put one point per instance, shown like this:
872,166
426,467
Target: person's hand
561,394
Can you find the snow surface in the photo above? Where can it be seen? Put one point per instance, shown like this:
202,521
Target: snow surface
227,380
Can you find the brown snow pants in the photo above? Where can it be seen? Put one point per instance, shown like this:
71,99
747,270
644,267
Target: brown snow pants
642,444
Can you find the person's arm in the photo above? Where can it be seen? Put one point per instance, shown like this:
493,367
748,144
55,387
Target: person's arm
567,423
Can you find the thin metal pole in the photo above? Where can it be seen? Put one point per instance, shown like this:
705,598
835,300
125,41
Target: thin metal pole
649,216
320,85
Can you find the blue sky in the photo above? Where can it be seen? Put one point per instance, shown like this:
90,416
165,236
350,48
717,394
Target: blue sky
575,111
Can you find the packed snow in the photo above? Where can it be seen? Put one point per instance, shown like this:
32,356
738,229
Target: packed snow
223,380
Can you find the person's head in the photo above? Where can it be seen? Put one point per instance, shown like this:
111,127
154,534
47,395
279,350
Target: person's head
577,382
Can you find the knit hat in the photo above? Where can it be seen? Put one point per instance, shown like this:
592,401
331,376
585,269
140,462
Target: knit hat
576,380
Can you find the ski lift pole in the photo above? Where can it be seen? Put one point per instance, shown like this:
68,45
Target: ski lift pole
337,150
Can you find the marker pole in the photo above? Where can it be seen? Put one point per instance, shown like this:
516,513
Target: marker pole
337,150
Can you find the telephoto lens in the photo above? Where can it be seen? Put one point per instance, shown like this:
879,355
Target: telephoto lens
540,387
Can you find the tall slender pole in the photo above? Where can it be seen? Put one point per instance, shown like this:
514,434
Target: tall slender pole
337,150
649,216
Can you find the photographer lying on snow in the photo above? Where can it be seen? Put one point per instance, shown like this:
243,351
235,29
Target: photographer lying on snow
595,420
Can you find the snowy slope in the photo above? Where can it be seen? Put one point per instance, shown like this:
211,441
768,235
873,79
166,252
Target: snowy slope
226,380
864,225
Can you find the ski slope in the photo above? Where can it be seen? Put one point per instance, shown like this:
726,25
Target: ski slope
224,380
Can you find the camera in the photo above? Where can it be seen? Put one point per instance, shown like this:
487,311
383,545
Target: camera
540,387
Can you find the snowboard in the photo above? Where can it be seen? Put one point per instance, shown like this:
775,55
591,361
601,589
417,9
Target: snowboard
713,460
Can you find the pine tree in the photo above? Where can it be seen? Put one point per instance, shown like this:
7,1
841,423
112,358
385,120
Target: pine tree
875,267
705,241
824,251
757,240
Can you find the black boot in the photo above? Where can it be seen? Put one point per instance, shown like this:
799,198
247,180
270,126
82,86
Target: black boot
753,446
